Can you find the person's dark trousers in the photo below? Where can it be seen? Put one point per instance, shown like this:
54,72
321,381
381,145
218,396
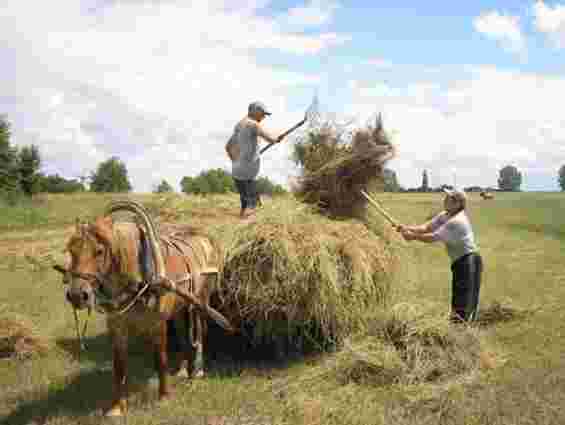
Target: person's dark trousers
247,193
466,285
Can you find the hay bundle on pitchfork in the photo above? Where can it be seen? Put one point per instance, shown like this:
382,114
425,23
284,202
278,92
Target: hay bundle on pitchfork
334,172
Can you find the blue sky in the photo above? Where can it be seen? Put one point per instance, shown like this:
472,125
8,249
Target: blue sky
465,87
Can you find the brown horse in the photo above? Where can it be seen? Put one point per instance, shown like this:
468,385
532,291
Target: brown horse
486,195
107,272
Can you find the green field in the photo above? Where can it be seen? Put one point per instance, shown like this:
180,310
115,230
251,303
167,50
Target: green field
522,240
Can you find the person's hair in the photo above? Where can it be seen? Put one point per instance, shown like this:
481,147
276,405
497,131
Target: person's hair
461,202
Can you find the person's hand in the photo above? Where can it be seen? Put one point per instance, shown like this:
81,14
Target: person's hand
400,227
407,235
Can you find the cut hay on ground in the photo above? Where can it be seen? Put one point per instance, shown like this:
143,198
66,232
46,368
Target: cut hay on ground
295,272
499,312
407,345
18,338
334,171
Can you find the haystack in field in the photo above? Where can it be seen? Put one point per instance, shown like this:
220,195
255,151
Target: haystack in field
408,345
18,338
335,171
296,273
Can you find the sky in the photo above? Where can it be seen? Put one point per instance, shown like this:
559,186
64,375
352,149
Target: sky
464,88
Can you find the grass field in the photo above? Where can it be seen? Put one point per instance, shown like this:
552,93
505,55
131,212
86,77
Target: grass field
522,240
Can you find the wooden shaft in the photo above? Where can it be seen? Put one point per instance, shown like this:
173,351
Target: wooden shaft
214,314
282,136
380,209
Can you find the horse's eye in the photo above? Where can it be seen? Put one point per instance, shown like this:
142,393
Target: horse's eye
99,251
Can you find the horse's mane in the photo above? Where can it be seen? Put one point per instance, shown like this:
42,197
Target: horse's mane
125,246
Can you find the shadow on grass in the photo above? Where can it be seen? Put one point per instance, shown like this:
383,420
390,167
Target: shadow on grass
79,396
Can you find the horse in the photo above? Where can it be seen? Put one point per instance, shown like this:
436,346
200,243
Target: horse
110,270
486,195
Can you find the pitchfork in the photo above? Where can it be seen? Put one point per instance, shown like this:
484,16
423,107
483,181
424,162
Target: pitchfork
311,114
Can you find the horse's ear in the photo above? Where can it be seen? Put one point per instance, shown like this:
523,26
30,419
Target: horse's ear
77,225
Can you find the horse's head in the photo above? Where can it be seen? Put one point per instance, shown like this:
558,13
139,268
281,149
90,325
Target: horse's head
90,251
104,256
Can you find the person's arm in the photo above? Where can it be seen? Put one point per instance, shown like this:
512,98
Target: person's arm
266,136
427,227
422,237
442,233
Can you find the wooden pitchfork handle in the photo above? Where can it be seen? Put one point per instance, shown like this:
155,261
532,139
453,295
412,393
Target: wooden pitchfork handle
380,209
214,314
286,133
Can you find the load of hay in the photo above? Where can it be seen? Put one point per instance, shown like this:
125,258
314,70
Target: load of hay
298,274
334,170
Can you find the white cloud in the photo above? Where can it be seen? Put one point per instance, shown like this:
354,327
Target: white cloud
551,21
313,13
502,28
155,83
380,63
477,125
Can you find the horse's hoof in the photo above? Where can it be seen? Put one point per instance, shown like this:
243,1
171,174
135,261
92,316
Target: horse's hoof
115,411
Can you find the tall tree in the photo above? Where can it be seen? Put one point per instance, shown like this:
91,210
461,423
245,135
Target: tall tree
561,178
510,179
54,183
9,177
110,176
29,163
425,184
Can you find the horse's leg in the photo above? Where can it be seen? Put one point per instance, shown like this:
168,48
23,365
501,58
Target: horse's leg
185,369
201,324
119,363
161,359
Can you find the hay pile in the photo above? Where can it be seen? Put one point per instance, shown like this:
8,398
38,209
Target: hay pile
296,273
411,346
407,345
335,171
18,338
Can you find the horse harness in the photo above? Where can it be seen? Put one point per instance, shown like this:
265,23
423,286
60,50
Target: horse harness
148,291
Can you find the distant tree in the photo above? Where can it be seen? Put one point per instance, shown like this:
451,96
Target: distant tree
29,163
210,181
390,181
220,181
9,175
561,179
267,187
425,185
163,187
510,179
56,184
110,176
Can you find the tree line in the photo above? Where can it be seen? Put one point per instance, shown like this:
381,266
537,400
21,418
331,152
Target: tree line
20,176
509,180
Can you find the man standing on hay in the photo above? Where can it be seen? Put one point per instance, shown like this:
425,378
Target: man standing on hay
453,227
243,150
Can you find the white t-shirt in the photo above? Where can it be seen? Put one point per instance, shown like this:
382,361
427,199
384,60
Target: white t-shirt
456,232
